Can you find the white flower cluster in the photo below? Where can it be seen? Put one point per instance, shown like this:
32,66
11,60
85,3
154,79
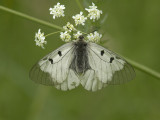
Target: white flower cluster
57,11
40,39
94,13
94,37
79,19
65,36
69,29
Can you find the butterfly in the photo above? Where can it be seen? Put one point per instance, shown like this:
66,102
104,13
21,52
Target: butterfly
81,63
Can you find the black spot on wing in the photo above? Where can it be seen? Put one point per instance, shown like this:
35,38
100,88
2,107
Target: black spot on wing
102,52
59,53
111,59
51,60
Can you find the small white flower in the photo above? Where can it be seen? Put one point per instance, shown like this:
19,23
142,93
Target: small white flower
69,27
77,35
65,36
94,13
79,18
40,39
94,37
57,11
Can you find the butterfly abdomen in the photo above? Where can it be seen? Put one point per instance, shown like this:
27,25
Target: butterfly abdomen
80,61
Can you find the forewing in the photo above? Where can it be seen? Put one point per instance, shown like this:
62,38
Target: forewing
54,69
106,68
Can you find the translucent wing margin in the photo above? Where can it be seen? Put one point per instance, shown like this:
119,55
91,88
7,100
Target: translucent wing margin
106,68
53,69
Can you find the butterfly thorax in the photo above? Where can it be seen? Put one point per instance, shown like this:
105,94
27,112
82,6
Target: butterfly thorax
80,61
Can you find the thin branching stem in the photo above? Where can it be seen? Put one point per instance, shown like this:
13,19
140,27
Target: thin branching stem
30,18
138,66
53,33
79,5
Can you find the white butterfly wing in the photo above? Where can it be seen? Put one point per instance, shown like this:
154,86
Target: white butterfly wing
54,69
106,68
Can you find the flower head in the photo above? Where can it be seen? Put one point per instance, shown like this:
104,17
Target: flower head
77,35
79,18
69,27
94,13
57,11
40,39
65,36
94,37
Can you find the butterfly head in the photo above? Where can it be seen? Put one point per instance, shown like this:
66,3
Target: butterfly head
80,43
81,38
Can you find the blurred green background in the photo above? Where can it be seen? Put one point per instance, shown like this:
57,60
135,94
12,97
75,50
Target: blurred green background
133,30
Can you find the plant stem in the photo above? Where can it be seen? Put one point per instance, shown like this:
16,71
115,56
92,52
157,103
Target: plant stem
143,68
52,33
79,5
138,66
30,18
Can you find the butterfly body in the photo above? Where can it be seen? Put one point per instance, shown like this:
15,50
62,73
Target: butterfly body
81,62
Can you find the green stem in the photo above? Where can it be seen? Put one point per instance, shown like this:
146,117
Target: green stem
79,5
52,33
30,18
144,69
135,64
